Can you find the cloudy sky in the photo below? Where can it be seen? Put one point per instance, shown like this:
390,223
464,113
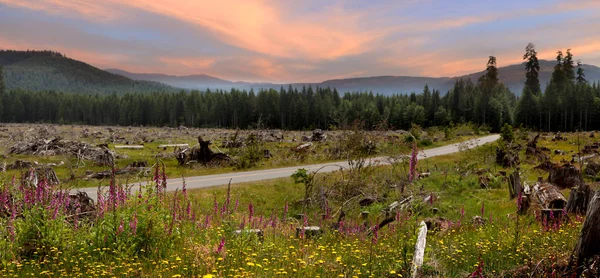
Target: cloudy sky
301,41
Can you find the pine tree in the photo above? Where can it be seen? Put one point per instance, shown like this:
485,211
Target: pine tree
532,69
580,74
2,88
568,67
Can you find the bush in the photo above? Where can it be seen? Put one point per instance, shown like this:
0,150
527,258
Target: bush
425,143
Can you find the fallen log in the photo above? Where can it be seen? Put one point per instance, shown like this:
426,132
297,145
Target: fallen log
549,196
303,147
129,147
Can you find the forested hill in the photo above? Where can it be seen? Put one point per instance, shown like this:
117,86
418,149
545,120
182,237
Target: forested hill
513,77
48,70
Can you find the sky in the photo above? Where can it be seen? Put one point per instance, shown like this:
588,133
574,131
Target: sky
301,41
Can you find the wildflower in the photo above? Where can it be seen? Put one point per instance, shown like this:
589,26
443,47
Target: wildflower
221,245
250,212
413,162
120,229
133,224
482,208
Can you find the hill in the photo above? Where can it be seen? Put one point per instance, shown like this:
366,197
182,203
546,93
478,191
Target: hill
512,76
47,70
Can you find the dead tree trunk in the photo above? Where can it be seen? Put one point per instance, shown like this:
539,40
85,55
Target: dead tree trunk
514,184
579,198
588,244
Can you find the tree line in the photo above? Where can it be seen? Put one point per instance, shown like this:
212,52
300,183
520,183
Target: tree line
568,103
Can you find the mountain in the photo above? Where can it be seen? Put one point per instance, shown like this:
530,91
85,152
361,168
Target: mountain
48,70
198,81
512,76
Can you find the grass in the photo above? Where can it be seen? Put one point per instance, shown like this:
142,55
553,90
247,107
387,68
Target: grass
192,233
72,173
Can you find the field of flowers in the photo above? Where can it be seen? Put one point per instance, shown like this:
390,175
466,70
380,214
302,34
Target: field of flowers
145,231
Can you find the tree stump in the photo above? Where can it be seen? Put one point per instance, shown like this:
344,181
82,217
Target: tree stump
588,244
579,198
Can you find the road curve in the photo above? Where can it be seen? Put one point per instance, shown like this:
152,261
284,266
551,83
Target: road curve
258,175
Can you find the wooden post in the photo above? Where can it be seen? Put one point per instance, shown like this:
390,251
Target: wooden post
419,249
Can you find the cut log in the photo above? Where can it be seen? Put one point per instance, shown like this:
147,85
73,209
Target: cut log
549,196
588,244
579,199
129,147
419,249
173,146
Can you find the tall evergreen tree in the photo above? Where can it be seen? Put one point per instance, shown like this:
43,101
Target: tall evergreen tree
558,75
2,88
580,74
532,70
568,67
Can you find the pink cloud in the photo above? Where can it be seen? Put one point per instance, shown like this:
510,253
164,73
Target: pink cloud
92,10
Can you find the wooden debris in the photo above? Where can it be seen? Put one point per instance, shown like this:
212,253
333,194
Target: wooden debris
35,175
173,146
508,156
258,232
424,175
309,231
478,220
514,184
138,164
202,154
533,152
419,249
129,147
19,164
82,151
592,168
318,136
303,147
122,171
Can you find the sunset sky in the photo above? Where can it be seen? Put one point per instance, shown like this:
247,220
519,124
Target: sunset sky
301,41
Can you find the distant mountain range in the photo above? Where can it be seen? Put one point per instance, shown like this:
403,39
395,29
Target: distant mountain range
47,70
512,76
